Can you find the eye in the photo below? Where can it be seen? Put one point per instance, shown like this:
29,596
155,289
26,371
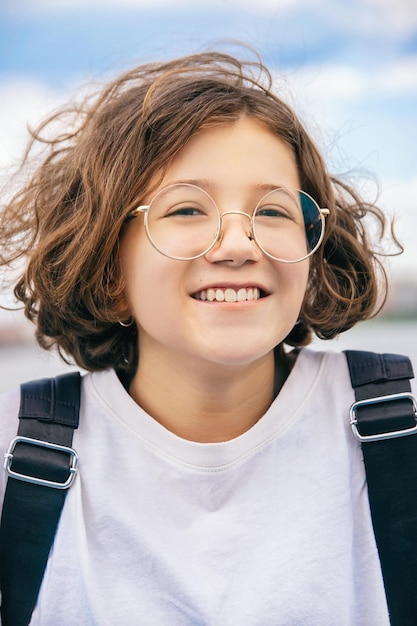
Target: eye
183,209
187,211
274,211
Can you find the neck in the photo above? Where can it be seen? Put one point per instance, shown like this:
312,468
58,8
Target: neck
209,403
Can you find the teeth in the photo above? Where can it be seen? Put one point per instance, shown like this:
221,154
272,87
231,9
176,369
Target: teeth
241,295
228,295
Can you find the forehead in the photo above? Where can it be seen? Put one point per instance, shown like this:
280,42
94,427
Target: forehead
244,152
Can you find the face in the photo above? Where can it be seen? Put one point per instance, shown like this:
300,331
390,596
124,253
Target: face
233,305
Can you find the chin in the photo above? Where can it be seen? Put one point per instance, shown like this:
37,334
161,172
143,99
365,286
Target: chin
229,356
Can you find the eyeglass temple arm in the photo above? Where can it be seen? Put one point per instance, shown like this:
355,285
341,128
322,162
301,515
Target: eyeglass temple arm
135,212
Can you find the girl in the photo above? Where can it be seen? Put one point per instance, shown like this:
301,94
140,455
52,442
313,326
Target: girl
183,241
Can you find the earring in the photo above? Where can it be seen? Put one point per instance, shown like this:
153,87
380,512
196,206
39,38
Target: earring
127,323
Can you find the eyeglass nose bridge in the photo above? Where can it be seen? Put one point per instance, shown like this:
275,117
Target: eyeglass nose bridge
251,235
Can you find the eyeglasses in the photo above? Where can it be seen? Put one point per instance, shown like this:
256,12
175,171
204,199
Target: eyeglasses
183,222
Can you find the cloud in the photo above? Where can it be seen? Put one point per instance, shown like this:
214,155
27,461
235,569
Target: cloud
396,78
400,15
347,83
60,39
399,198
362,117
22,103
371,17
43,6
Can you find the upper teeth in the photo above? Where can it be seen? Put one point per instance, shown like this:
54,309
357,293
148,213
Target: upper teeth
228,295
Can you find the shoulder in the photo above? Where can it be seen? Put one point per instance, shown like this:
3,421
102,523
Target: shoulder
9,411
330,371
322,357
317,393
322,366
319,385
104,389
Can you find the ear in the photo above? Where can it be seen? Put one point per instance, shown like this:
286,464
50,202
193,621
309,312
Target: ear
120,311
124,316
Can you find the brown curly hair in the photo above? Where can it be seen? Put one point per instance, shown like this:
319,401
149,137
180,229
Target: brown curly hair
67,219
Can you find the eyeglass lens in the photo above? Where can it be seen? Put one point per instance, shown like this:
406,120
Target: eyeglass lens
183,222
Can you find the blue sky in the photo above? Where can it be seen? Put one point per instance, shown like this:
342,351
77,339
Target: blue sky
348,66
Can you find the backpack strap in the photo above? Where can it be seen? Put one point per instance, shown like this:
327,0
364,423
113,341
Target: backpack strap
384,420
41,466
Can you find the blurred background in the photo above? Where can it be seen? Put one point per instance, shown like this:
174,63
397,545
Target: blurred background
349,67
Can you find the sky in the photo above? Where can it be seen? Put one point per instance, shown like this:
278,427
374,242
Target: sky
349,67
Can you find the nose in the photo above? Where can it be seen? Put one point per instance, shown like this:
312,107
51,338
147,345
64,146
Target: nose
236,244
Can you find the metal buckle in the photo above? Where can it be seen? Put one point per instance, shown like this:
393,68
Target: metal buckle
390,434
8,457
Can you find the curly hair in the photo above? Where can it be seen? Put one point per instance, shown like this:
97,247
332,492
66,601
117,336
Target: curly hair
67,219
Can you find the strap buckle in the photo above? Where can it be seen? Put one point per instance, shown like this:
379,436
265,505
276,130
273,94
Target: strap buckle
380,399
8,458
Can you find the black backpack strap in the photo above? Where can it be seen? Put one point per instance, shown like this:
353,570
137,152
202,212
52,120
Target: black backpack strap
384,419
41,466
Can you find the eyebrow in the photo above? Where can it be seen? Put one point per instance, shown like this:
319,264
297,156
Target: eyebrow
211,186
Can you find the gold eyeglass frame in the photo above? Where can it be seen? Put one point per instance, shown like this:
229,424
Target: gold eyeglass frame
144,209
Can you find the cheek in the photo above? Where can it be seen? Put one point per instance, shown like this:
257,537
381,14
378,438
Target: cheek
295,276
149,278
294,282
135,260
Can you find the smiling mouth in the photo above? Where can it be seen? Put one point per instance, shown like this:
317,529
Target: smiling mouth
229,295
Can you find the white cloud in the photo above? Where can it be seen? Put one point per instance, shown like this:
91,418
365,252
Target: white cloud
366,117
399,198
397,78
347,83
398,11
22,102
42,6
392,18
399,15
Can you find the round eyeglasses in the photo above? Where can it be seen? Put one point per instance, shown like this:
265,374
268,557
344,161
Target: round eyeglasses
183,222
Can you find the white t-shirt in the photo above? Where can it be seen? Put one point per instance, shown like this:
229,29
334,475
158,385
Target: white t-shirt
269,529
